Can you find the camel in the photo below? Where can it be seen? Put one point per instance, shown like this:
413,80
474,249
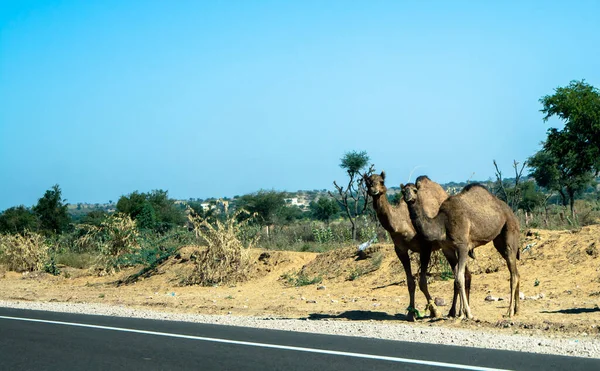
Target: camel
396,220
465,221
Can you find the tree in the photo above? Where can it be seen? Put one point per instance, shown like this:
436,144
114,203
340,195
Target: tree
131,204
52,211
571,156
156,210
354,197
94,217
507,192
578,106
324,208
18,219
531,197
168,215
266,204
559,172
146,219
288,214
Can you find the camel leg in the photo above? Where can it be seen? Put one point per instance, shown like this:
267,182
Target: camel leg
410,281
453,261
459,278
425,257
507,244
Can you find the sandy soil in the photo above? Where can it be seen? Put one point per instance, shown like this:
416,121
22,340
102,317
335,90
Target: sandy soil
560,279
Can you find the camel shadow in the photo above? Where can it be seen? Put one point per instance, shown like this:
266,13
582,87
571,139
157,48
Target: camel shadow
573,310
359,315
399,283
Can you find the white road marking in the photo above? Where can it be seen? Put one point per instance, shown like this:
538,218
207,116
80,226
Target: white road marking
262,345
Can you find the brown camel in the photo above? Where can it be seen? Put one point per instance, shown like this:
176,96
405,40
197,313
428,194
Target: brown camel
396,220
469,219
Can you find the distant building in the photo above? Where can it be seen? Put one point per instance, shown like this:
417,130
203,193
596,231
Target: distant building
300,202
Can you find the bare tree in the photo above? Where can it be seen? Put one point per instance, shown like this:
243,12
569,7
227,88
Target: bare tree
353,198
512,196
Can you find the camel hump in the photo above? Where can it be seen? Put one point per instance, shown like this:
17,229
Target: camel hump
422,178
470,186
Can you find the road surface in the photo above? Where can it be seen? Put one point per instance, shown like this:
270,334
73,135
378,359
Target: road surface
37,340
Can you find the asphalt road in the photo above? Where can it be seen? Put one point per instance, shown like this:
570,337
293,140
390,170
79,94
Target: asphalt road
37,340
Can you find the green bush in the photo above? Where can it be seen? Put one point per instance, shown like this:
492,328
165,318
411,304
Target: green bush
301,279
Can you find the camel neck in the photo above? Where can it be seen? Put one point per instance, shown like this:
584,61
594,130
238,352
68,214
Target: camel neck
425,225
394,219
384,211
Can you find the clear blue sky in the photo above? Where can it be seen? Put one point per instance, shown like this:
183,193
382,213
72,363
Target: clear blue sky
222,98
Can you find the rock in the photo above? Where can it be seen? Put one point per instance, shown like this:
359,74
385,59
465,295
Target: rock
322,287
376,304
440,302
521,295
311,302
491,298
333,301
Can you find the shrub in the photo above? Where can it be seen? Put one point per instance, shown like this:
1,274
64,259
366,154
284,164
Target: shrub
225,259
26,252
75,260
116,239
301,279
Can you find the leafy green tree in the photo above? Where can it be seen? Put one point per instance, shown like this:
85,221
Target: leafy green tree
131,204
168,215
52,212
578,106
571,155
146,219
324,209
94,217
18,219
531,197
560,174
289,214
353,198
156,209
266,204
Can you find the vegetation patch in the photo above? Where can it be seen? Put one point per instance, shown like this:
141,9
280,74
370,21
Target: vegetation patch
225,259
25,252
116,239
301,279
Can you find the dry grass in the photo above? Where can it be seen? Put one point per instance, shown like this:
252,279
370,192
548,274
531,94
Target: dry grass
115,239
21,253
225,259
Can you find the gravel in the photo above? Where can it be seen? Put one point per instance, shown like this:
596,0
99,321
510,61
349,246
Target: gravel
416,332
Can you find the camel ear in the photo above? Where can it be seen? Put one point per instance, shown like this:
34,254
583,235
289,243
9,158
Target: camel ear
383,175
401,186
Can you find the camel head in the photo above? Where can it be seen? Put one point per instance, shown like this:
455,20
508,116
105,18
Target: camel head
409,192
375,184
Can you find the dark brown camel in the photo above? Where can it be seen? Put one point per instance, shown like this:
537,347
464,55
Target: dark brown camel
469,219
396,220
